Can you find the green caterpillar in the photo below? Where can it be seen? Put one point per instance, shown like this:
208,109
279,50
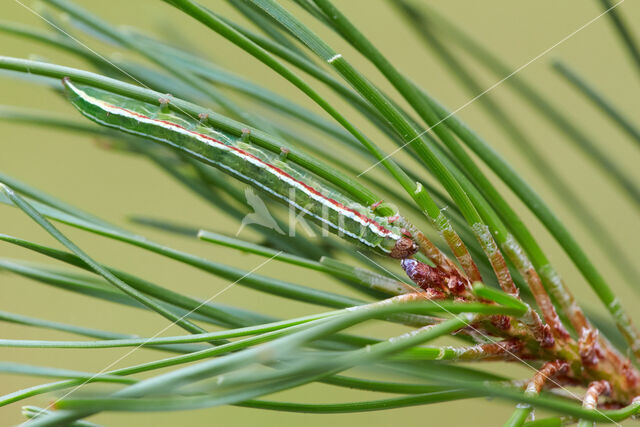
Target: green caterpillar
250,164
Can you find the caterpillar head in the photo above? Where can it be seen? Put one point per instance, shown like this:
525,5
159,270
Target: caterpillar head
404,248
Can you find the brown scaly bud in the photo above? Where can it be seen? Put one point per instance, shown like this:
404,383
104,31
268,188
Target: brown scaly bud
622,365
595,390
630,374
456,284
510,349
424,275
589,349
546,339
434,294
546,373
501,322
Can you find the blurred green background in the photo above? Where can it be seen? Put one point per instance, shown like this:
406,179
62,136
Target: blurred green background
113,185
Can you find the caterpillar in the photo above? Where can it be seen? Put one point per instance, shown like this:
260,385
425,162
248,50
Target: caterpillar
253,165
